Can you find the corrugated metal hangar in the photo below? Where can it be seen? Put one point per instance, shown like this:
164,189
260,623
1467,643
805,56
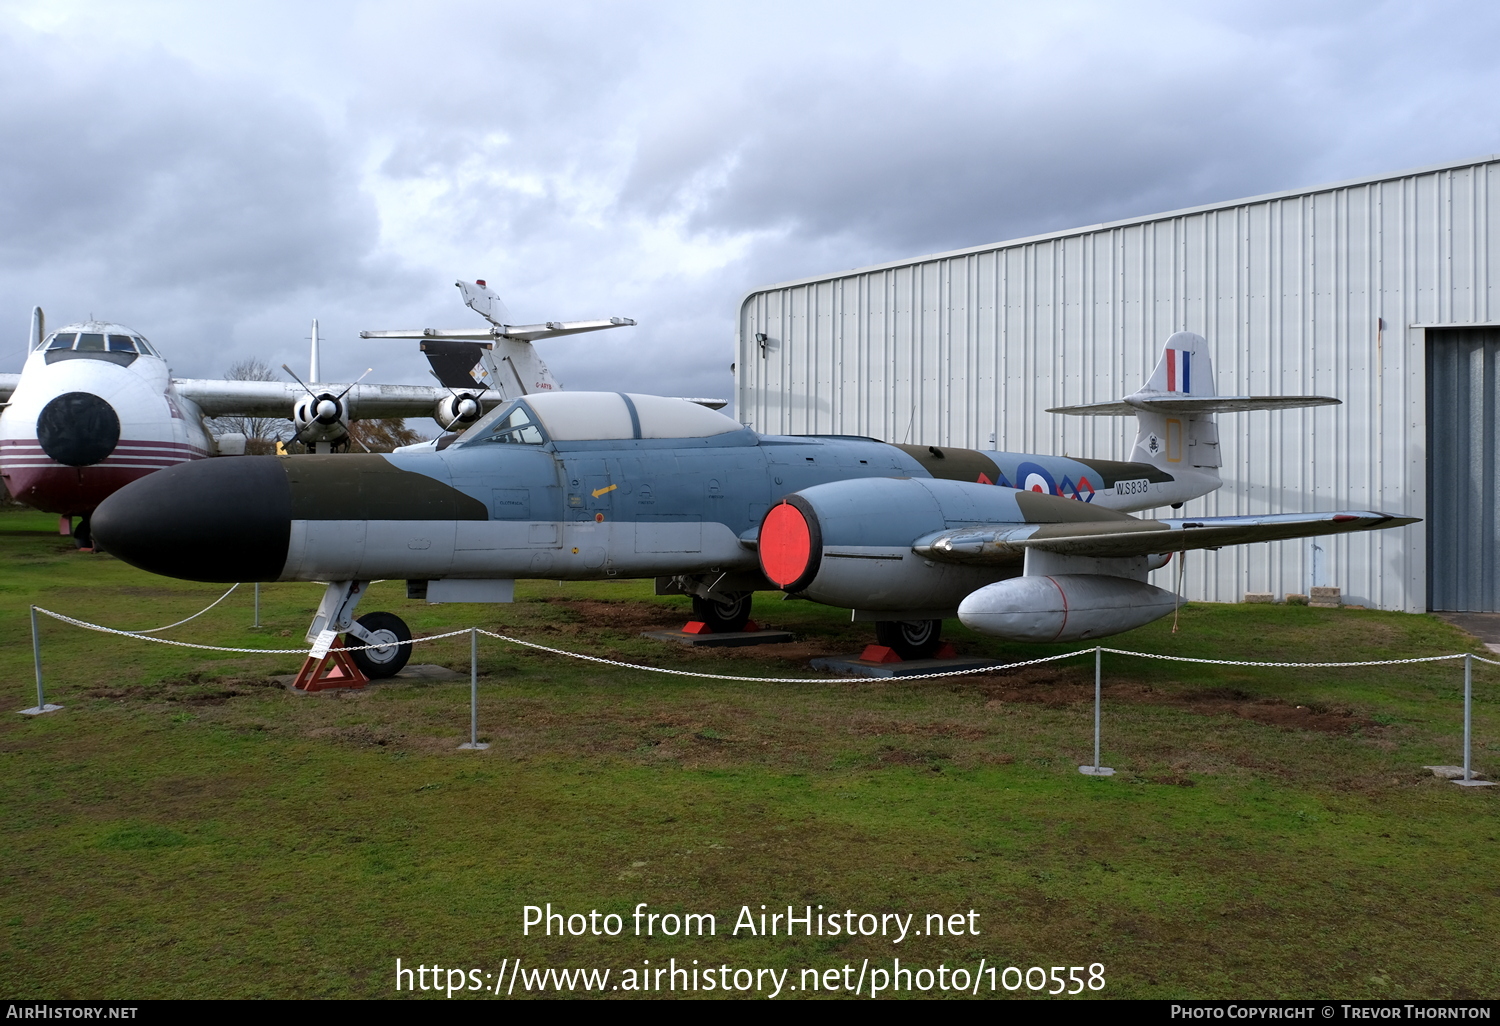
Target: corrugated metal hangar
1380,292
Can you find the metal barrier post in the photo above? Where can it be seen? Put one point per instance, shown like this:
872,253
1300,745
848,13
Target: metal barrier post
1097,770
473,744
1468,780
36,654
257,605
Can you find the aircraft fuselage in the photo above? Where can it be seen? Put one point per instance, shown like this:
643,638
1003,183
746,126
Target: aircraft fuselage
586,510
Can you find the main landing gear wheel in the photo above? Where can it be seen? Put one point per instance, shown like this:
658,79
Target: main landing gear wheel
910,639
82,536
386,630
725,613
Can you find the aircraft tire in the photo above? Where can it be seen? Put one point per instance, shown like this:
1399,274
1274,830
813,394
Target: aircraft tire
725,613
910,639
376,663
82,536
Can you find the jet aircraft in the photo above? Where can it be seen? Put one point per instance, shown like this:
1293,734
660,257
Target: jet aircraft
609,485
95,405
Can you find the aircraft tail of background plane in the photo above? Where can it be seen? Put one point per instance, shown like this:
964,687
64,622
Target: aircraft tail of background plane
1174,411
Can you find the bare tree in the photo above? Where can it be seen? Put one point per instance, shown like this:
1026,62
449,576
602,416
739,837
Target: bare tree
381,435
261,433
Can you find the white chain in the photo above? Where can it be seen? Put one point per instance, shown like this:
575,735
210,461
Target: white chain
750,680
1248,662
179,623
774,680
220,648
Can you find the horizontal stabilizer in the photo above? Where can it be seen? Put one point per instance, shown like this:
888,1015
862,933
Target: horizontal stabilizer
994,546
520,333
1131,405
455,363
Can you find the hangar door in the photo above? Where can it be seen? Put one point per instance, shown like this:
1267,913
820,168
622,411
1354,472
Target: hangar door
1463,470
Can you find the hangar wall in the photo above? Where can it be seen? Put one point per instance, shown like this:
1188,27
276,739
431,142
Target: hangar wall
1325,291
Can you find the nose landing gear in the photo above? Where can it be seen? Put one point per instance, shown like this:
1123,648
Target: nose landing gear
386,631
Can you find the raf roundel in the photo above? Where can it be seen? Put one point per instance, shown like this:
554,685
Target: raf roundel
789,545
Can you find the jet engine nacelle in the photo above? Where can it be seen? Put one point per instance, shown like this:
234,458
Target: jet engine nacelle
1064,607
456,412
322,417
849,543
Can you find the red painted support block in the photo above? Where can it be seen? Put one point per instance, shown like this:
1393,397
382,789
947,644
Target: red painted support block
697,627
751,627
342,674
946,651
879,654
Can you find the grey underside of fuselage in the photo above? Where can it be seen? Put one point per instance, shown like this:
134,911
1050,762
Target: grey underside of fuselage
337,550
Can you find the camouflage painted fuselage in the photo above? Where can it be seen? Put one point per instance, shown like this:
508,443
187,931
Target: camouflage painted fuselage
574,510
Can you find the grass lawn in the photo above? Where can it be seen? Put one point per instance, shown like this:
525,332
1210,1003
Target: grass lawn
187,828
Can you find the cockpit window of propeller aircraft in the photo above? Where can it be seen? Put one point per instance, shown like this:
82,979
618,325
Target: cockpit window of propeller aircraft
98,342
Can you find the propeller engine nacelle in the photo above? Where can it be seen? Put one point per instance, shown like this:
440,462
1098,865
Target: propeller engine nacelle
456,412
321,417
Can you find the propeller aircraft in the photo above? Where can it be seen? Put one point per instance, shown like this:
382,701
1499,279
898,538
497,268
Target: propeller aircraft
96,407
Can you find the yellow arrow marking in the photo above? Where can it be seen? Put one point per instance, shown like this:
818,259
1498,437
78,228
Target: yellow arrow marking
600,491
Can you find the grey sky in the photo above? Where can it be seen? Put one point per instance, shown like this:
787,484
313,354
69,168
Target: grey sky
216,176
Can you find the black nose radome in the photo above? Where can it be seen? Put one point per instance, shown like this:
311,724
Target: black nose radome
78,428
224,519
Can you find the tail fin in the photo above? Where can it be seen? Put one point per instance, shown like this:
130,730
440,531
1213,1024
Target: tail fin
1175,438
1174,411
484,301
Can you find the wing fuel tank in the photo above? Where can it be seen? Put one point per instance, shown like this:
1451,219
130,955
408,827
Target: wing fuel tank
1065,607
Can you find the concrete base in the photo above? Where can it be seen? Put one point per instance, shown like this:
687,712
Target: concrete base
908,668
421,671
1096,771
1451,772
735,640
1476,782
475,746
37,710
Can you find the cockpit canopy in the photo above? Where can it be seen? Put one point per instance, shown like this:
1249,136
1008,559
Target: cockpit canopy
597,416
97,337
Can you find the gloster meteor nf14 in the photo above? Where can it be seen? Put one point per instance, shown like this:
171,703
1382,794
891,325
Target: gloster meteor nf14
604,485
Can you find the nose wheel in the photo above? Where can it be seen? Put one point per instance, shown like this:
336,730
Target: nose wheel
910,639
387,631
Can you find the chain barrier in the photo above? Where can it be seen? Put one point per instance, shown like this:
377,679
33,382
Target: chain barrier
305,652
179,623
220,648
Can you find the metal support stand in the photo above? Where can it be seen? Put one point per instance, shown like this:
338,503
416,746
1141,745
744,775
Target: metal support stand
1468,778
474,744
1097,770
257,605
36,653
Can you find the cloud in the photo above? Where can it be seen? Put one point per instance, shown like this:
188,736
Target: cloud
216,179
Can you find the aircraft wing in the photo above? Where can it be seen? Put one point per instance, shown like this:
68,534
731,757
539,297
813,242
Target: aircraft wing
8,383
218,397
1131,405
519,332
1111,539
